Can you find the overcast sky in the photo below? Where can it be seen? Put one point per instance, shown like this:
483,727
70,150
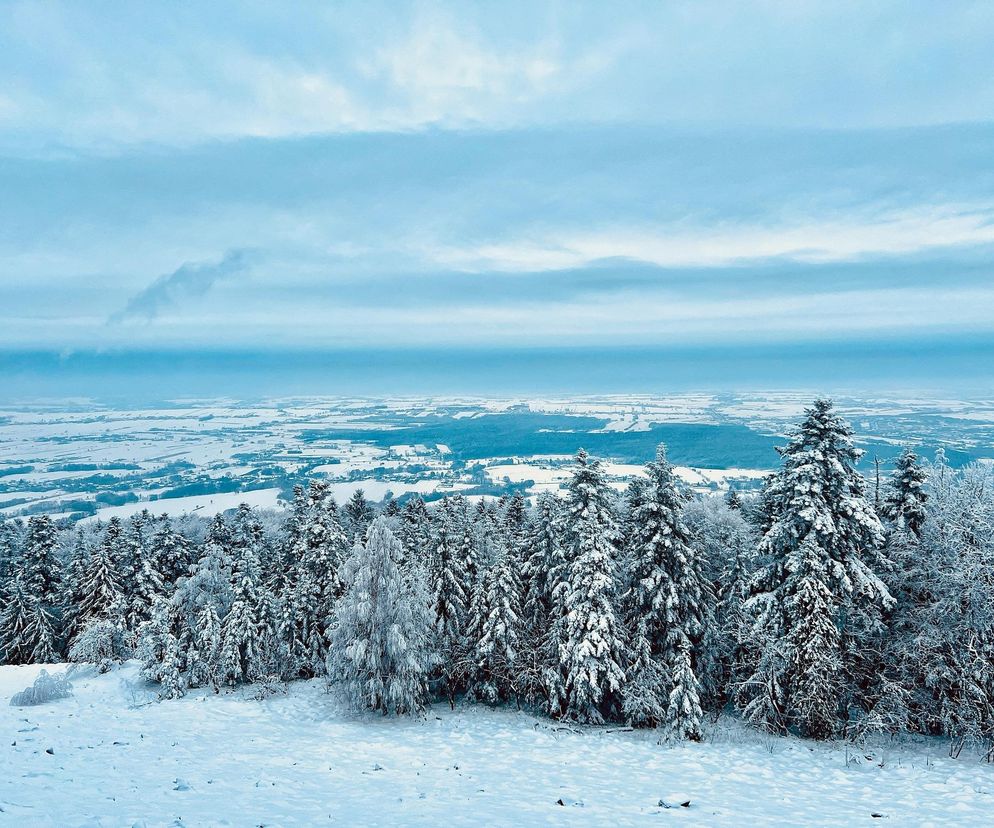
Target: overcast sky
355,175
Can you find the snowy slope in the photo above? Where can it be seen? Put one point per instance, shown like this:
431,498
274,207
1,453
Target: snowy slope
297,760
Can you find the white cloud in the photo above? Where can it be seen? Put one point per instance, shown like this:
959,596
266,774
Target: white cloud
681,245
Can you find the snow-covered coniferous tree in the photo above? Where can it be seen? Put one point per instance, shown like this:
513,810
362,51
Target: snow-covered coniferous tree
819,591
494,634
666,608
904,503
27,633
588,680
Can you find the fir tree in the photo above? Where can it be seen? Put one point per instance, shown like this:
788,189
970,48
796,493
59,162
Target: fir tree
10,548
26,627
822,538
516,524
725,543
358,514
160,653
450,589
683,712
381,645
39,563
544,562
199,603
204,649
905,501
74,584
733,500
100,594
170,553
245,632
391,508
666,602
590,679
495,630
416,531
317,584
282,580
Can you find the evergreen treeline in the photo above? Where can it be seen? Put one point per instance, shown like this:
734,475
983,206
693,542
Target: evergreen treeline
803,607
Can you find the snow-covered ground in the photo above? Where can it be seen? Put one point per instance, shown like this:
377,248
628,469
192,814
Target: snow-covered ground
208,505
111,756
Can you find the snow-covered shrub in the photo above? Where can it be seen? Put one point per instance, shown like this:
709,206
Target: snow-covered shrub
267,687
100,643
46,688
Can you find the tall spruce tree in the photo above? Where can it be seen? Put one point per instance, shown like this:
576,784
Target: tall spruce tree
666,607
544,563
170,553
317,584
101,597
358,514
821,544
450,588
588,684
245,631
904,503
495,629
416,531
10,548
73,586
39,563
27,634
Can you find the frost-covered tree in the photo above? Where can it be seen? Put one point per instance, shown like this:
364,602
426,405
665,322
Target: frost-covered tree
199,603
100,594
667,604
516,524
495,630
160,652
203,653
100,642
416,531
170,553
73,584
282,576
544,562
148,584
587,685
682,719
358,515
39,564
943,628
246,630
10,548
381,652
317,585
821,544
128,556
27,634
450,590
726,546
904,503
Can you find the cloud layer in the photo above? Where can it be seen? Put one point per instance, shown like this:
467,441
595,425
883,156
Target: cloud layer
82,75
465,175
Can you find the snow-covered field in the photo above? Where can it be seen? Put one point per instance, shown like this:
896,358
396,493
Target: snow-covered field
111,756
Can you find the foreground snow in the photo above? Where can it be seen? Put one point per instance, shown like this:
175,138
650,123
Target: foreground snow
117,757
